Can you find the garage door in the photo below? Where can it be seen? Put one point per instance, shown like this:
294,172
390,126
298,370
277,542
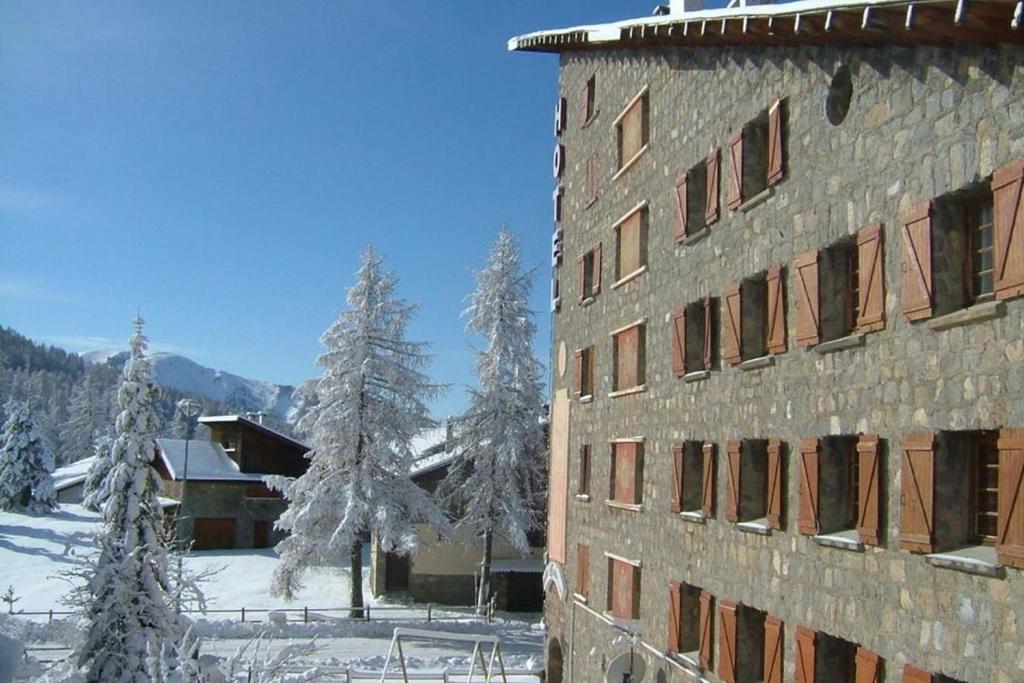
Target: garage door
211,533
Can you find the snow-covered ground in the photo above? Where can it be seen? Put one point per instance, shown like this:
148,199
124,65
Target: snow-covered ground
34,550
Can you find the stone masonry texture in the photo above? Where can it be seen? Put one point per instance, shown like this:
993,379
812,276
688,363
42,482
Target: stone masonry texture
922,122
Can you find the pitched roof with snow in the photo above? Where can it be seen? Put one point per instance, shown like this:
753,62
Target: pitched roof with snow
207,461
72,474
814,22
223,419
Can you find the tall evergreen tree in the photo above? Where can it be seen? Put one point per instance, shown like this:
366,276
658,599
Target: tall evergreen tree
370,404
497,476
95,490
131,624
79,430
26,465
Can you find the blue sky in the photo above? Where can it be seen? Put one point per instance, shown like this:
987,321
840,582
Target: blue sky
220,165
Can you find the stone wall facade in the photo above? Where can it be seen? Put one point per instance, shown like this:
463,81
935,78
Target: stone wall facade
923,122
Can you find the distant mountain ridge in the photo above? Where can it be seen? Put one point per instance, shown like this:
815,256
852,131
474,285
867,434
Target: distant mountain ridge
174,371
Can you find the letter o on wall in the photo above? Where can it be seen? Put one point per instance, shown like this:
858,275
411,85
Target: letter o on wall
558,161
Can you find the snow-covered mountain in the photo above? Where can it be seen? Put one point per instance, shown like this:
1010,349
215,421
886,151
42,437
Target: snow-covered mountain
184,374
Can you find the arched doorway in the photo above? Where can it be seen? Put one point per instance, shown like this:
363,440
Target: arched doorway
554,663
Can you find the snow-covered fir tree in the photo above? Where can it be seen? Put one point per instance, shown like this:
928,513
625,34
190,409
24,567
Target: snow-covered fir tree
94,489
370,404
26,465
77,434
497,476
132,627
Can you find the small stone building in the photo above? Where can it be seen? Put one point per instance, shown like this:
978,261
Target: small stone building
445,572
69,480
788,343
224,502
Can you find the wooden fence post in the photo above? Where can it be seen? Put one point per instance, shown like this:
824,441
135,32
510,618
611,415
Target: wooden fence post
305,615
243,615
428,612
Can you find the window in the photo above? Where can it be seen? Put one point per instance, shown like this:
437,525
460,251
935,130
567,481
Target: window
840,290
963,489
631,244
588,101
754,482
754,317
692,343
965,248
823,657
629,358
741,642
589,274
839,484
261,491
693,478
583,488
590,187
914,675
623,588
585,373
696,198
583,571
689,617
631,129
625,481
757,153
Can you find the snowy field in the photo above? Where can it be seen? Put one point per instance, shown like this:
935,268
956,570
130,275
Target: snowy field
34,550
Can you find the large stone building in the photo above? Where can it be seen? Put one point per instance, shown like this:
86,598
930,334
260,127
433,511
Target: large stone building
788,364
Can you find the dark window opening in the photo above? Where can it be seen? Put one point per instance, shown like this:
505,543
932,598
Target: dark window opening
838,491
963,248
584,480
754,320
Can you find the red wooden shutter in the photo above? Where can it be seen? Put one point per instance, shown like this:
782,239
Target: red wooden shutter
914,675
808,318
583,570
807,520
776,151
776,311
581,279
623,603
736,179
868,667
707,485
727,641
677,477
679,342
591,185
870,279
775,491
916,295
731,324
805,638
1008,229
626,460
1010,536
732,479
708,350
916,492
629,358
868,481
681,208
706,629
595,276
675,594
711,166
584,110
578,383
584,485
773,653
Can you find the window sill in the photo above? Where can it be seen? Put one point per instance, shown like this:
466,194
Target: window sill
593,117
583,497
758,198
757,363
632,507
695,237
842,344
975,314
589,398
695,517
696,375
843,540
626,278
626,392
587,301
979,559
590,202
688,660
632,161
757,526
582,599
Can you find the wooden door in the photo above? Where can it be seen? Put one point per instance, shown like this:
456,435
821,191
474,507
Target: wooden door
213,533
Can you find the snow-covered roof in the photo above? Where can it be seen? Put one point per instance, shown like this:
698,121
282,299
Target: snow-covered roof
207,461
858,22
70,475
429,439
524,565
223,419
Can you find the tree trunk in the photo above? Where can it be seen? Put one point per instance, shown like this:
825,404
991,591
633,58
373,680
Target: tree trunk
356,591
483,595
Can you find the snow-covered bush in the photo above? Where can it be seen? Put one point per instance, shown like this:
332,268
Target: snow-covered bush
25,465
95,489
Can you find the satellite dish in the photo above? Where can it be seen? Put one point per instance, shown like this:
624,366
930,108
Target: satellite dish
628,667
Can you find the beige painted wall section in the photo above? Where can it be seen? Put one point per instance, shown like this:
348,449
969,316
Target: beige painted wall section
460,557
558,493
